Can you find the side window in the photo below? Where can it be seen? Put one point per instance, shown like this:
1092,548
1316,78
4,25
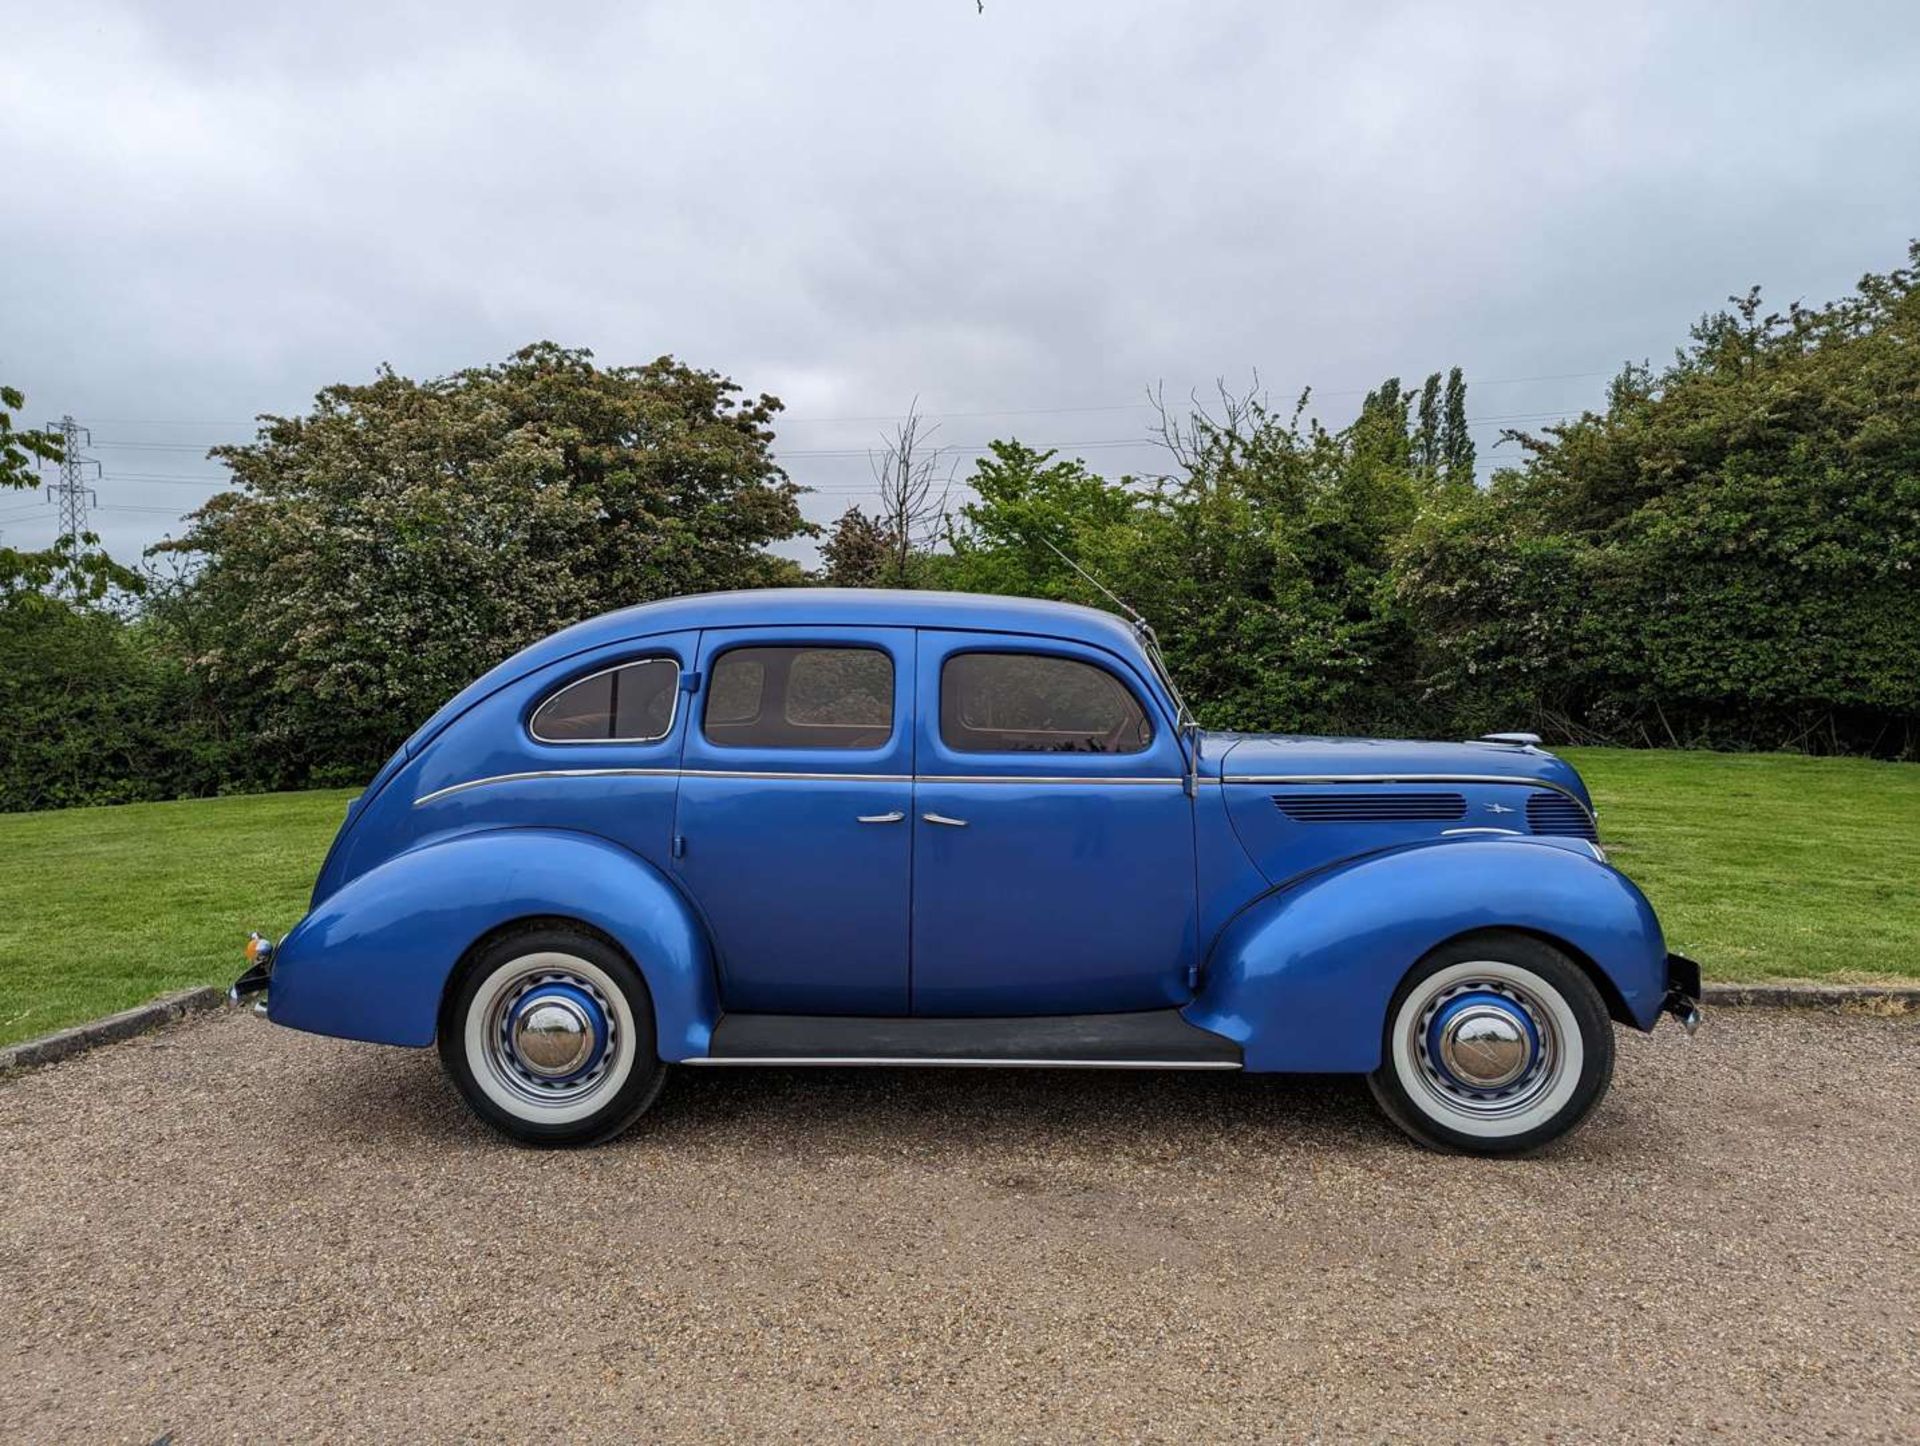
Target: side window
633,703
800,697
1031,703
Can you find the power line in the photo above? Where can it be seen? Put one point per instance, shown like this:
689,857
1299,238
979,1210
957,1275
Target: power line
74,497
153,478
861,451
895,416
155,446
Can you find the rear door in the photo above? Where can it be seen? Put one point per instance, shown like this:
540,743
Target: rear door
1053,869
792,832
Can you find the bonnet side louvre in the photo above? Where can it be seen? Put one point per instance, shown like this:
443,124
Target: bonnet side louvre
1371,806
1556,814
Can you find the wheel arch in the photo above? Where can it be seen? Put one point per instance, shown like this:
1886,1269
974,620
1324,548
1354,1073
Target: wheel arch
1603,982
374,960
1303,977
528,924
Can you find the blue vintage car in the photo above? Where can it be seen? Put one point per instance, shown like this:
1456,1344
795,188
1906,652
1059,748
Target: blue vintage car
819,827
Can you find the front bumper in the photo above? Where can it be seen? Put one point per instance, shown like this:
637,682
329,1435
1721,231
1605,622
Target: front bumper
1683,991
260,954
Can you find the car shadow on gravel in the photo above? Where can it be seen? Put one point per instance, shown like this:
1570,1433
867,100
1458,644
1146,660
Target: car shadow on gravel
404,1092
837,1113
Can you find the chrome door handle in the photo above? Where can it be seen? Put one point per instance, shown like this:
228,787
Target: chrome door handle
942,818
893,817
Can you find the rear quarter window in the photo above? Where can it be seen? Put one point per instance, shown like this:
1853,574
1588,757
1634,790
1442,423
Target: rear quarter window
631,703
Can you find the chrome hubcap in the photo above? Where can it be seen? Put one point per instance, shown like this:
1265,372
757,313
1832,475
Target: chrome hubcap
1485,1047
553,1038
550,1036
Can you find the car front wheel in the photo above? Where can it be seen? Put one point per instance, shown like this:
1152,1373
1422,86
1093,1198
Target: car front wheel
548,1033
1494,1045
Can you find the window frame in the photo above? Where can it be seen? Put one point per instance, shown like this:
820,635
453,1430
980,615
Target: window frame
796,645
673,717
1113,675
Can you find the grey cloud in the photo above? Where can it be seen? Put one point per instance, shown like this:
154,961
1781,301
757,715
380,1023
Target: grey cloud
215,209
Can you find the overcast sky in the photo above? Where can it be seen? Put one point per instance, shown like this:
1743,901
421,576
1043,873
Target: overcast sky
1024,216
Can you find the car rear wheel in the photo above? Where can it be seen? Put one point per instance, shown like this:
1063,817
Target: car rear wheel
1494,1045
548,1033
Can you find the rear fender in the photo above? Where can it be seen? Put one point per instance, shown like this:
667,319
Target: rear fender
1302,978
372,961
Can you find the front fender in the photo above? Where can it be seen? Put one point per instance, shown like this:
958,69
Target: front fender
372,960
1303,977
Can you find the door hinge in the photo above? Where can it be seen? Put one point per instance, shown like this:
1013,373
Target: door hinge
1193,975
679,845
690,681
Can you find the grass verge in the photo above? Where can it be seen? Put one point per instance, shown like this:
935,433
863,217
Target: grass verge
1769,865
102,908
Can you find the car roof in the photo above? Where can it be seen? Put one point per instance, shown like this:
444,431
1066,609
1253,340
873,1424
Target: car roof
798,607
851,606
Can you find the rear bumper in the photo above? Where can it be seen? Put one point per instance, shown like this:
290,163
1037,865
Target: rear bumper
1683,991
254,981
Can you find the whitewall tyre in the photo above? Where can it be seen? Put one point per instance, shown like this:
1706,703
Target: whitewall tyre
548,1033
1495,1045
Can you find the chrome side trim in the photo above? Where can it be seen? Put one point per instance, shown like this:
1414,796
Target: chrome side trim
898,1062
1040,778
774,775
1325,779
768,776
451,789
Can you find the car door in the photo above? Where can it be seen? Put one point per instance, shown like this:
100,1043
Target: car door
792,831
1053,833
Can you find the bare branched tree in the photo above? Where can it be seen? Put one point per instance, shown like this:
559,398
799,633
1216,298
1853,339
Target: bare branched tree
1213,434
913,492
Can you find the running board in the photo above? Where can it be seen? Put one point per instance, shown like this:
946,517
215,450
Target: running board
1152,1039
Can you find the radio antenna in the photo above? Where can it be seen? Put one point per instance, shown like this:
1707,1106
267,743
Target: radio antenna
1108,593
1147,637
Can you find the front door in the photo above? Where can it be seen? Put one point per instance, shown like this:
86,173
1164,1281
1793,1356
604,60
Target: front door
792,829
1053,834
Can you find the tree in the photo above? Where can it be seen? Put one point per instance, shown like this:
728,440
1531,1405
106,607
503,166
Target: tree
859,552
1427,452
1262,559
403,536
1727,555
1456,437
1029,508
1381,428
913,495
20,452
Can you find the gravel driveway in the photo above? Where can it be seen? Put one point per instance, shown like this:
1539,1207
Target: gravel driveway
232,1232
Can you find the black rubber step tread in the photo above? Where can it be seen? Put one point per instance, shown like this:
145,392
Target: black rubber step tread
1156,1035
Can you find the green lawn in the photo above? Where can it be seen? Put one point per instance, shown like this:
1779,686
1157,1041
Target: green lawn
101,908
1769,865
1762,867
